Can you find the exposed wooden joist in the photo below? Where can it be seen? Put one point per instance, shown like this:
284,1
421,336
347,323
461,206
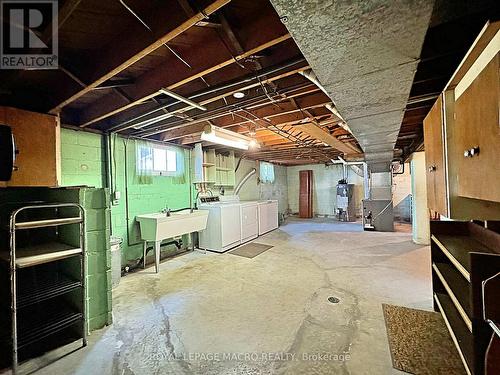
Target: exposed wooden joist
155,91
315,131
63,15
141,54
280,116
161,128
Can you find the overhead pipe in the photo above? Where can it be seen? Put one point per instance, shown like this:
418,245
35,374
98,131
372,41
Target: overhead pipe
212,114
125,125
182,99
366,176
243,180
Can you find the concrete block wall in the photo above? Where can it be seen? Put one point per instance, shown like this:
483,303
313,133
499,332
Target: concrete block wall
325,178
83,163
82,159
253,190
401,194
162,192
96,204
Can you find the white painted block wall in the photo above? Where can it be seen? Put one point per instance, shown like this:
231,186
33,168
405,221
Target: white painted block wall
325,180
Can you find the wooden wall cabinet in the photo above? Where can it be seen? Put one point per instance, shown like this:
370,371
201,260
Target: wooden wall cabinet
462,136
38,141
478,135
434,159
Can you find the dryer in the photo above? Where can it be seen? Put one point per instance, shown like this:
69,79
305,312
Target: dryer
249,220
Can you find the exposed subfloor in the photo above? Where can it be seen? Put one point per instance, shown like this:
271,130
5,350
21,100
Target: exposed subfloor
225,314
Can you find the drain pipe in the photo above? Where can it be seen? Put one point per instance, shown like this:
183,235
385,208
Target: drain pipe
243,180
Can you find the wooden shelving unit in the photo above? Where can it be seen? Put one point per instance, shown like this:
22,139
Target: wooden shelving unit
464,255
225,169
44,280
212,167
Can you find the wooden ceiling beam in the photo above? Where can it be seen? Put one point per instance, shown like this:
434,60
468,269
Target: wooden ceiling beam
104,76
315,131
267,113
150,83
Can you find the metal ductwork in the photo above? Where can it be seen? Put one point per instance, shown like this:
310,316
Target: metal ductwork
365,53
311,76
243,180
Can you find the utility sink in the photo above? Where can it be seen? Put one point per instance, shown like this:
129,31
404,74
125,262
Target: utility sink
158,226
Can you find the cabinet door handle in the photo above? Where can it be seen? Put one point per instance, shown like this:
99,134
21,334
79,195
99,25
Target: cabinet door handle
432,168
471,152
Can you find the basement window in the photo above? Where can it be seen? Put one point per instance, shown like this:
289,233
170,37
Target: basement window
266,172
160,161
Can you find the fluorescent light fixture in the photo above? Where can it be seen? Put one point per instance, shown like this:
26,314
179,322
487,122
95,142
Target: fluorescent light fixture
239,95
182,99
225,137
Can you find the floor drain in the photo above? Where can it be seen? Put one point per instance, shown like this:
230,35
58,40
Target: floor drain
333,300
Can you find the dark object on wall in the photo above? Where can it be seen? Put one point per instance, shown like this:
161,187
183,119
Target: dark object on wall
305,195
7,153
464,255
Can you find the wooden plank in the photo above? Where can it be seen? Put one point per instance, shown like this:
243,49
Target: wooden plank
315,131
477,124
484,38
146,51
37,139
434,159
188,79
281,115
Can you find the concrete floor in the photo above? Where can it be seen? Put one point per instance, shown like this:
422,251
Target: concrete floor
225,314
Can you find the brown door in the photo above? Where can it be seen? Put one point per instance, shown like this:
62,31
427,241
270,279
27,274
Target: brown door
305,194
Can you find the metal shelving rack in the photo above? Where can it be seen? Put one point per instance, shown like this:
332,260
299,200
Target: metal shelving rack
28,327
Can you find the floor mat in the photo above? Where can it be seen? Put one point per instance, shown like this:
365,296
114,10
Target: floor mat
250,250
420,342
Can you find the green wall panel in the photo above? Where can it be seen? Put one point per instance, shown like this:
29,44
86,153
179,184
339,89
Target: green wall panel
84,163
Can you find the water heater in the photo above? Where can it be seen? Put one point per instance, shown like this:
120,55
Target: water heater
7,153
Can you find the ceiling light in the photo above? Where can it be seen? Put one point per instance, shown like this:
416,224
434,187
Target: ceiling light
239,95
225,137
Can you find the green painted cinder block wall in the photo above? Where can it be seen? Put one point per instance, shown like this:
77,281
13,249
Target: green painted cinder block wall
82,159
84,163
96,204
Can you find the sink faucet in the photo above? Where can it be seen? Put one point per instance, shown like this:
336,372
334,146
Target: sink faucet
166,211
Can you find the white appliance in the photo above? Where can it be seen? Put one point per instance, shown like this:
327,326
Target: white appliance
223,230
268,216
249,220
